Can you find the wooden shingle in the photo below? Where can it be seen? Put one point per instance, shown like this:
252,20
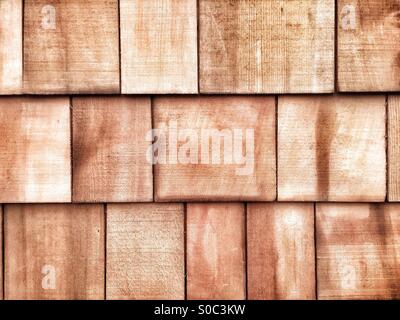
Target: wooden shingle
10,46
35,160
332,148
159,46
71,46
54,251
216,251
394,148
109,149
368,45
358,248
262,46
145,251
280,251
198,162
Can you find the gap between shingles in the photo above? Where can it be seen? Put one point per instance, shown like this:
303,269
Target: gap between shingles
119,47
315,251
276,146
245,252
71,132
152,164
3,260
387,146
105,250
185,248
198,45
336,48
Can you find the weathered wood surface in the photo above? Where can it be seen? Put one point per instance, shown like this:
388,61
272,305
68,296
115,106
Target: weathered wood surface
54,251
332,148
109,149
358,251
262,46
145,251
394,148
159,46
10,46
197,170
71,46
35,150
368,45
280,251
216,251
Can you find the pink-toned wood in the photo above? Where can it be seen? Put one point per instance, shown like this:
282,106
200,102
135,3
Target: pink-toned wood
35,160
54,251
332,148
280,251
368,45
159,46
358,251
109,149
216,251
71,46
261,46
189,170
394,148
10,46
145,251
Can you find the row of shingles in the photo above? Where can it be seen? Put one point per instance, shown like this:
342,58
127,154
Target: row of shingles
356,256
59,52
244,47
329,149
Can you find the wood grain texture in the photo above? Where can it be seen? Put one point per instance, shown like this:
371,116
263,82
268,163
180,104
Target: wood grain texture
369,45
240,173
216,251
332,148
10,46
59,242
262,46
77,52
109,149
159,46
35,160
145,251
358,251
280,251
394,148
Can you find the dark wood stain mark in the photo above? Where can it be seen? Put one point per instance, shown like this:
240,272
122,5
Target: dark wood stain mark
382,224
325,129
397,61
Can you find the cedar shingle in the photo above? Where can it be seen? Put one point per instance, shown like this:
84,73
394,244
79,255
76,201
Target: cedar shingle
159,46
197,175
71,46
54,251
109,149
35,150
216,251
358,249
331,148
394,148
145,251
11,46
368,45
280,251
262,46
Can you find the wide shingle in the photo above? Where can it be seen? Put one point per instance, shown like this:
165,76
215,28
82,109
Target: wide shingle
54,251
